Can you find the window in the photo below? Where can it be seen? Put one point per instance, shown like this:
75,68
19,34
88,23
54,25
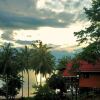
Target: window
86,75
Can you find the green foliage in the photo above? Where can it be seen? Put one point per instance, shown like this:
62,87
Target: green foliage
42,59
63,62
75,66
14,85
8,68
91,53
8,64
54,89
57,82
91,34
13,61
94,12
45,93
23,58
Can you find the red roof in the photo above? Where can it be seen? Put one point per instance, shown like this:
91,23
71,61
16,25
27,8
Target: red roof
67,71
89,67
84,66
68,74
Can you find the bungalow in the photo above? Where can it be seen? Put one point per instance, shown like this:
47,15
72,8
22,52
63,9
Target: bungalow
89,74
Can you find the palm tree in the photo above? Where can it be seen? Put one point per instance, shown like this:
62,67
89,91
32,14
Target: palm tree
8,64
24,62
21,67
42,59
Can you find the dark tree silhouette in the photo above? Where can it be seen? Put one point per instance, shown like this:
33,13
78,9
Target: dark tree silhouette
24,55
91,34
14,85
42,59
8,64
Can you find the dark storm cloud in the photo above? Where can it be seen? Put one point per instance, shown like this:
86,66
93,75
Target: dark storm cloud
24,42
8,20
7,35
24,14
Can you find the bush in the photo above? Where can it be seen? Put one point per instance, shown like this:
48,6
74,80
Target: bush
45,93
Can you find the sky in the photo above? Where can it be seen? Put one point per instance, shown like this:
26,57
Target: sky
52,21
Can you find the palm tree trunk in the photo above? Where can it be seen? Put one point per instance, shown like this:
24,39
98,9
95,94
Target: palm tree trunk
22,84
36,79
28,83
45,77
40,79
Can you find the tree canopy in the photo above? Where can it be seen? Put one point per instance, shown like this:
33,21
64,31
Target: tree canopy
91,34
43,60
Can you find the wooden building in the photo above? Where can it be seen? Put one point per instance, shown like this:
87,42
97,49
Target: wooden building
89,74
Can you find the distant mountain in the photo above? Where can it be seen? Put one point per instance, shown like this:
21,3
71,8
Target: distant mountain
59,54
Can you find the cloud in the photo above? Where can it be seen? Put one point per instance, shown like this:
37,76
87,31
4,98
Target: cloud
64,48
23,42
22,22
24,14
7,35
54,46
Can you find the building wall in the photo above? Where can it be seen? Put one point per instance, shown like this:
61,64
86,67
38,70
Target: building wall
92,81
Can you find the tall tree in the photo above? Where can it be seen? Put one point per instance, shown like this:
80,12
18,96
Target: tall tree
91,34
14,85
42,59
8,64
24,62
21,66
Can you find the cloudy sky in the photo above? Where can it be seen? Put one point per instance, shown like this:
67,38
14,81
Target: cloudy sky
52,21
